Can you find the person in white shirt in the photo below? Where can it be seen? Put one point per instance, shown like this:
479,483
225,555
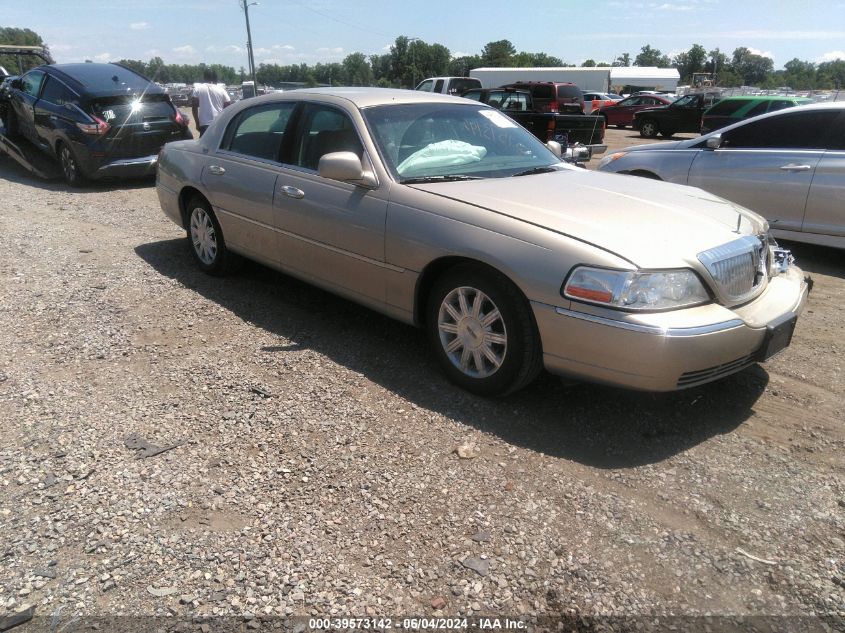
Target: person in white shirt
208,100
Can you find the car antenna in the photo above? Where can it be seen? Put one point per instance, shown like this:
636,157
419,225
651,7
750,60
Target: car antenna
738,222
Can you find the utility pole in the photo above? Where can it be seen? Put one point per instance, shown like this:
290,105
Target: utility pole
246,5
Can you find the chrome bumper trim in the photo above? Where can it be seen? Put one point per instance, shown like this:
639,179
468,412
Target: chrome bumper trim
145,161
653,329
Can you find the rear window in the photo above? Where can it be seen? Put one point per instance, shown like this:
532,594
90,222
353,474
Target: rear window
542,92
760,108
780,105
107,77
458,86
569,92
726,107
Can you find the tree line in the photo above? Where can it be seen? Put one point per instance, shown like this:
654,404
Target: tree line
410,60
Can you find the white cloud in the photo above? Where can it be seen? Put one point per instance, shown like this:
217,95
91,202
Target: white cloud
755,51
283,47
139,26
61,48
185,50
231,48
673,7
777,35
153,52
832,56
102,57
330,51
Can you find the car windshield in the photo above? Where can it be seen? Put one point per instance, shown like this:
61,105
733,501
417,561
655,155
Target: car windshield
439,141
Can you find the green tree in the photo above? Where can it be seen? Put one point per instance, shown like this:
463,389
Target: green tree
831,75
358,71
20,37
623,60
649,56
498,54
689,62
751,67
589,63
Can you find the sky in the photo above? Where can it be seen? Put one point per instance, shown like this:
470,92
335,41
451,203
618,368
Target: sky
311,31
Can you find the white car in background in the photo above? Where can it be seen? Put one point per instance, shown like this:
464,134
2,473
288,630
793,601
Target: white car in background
788,166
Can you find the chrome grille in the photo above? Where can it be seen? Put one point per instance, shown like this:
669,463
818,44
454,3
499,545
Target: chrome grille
738,268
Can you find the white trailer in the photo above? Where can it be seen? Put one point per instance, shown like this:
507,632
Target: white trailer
590,79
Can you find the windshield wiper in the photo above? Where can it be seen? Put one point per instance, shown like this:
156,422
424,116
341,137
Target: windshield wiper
536,170
449,178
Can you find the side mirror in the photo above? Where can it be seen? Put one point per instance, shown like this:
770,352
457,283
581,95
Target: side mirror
714,142
344,166
555,148
16,84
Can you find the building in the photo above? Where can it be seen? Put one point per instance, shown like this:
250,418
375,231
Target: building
594,79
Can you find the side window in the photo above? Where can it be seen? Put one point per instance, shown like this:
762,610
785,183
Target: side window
31,82
438,87
258,132
475,95
57,93
780,105
323,130
799,130
760,108
426,86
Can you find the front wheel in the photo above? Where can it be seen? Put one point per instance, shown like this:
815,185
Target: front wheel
70,166
648,128
206,238
482,332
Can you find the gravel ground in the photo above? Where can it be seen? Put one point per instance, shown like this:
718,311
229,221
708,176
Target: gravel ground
183,446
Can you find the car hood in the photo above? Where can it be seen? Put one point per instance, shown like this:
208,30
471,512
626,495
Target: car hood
652,224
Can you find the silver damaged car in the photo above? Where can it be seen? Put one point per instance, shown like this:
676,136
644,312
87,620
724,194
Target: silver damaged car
444,213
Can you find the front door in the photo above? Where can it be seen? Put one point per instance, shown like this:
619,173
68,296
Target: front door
767,165
331,231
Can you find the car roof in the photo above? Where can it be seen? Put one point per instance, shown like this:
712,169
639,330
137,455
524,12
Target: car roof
97,80
363,97
766,98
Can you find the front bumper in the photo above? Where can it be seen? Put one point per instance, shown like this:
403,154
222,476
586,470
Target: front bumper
669,350
140,167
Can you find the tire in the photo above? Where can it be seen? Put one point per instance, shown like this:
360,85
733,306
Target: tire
667,133
620,126
70,166
205,238
649,128
482,332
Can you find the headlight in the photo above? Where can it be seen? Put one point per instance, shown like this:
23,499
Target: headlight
636,290
610,158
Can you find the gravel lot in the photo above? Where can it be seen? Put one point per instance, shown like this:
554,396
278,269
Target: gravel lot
312,464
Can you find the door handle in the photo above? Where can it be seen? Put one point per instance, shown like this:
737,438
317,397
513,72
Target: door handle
217,170
292,192
793,167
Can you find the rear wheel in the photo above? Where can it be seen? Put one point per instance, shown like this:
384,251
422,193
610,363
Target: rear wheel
70,166
649,128
482,332
620,126
206,238
667,133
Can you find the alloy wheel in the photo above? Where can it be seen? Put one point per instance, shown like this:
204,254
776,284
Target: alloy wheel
203,236
472,332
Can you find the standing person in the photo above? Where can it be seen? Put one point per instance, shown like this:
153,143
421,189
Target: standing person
208,100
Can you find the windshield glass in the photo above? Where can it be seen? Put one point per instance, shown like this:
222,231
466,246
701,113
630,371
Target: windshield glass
445,140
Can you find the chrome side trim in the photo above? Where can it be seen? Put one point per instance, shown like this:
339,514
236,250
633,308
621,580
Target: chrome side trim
674,332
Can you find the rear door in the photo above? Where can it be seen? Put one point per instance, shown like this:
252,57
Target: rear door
240,178
56,111
767,165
